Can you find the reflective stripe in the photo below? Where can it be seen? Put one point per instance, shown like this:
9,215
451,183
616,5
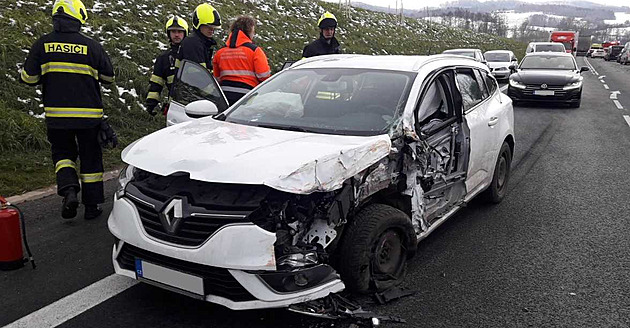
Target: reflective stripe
327,95
109,79
28,78
235,89
91,177
203,64
263,75
157,79
65,163
74,112
153,95
61,67
235,72
178,63
170,79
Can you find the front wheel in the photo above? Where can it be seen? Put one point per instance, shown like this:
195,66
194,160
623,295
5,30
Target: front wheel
375,249
498,187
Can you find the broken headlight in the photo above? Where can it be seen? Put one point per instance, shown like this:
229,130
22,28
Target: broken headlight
298,260
126,175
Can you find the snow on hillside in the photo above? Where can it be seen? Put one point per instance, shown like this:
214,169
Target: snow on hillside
620,18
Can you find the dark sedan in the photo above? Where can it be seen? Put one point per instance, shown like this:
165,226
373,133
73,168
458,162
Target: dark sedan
548,77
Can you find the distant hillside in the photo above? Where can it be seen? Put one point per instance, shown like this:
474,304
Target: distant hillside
132,33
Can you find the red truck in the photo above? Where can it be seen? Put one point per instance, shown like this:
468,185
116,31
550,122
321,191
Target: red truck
568,38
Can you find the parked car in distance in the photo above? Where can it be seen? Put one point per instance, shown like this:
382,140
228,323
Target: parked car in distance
624,57
598,53
325,177
547,77
545,47
499,62
612,53
473,53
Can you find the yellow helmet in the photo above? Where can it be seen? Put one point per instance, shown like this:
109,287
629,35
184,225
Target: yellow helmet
327,20
176,23
73,8
205,14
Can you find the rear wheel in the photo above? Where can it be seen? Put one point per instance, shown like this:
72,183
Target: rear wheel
375,248
498,187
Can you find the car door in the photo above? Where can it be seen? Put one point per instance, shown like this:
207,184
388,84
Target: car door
480,121
192,82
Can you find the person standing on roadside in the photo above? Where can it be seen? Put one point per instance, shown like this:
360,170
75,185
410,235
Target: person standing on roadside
164,67
199,46
241,65
70,67
327,44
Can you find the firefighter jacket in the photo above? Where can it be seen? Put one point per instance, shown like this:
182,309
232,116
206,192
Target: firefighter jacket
196,48
163,74
69,66
242,62
321,46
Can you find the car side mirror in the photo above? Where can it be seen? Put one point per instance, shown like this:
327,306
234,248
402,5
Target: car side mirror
512,67
201,108
584,69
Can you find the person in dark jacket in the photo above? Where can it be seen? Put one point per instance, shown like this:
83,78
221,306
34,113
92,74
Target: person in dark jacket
327,44
199,46
241,65
70,67
164,68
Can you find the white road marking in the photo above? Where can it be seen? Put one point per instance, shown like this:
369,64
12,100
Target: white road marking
74,304
606,87
601,77
627,118
613,94
503,88
618,104
603,81
591,67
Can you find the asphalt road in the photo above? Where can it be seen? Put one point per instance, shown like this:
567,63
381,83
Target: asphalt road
553,253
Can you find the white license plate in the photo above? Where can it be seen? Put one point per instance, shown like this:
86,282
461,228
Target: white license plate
169,277
544,92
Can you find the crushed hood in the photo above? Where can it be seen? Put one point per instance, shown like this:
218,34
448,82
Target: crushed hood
222,152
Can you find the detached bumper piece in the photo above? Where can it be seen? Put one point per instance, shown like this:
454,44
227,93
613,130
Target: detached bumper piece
335,306
216,281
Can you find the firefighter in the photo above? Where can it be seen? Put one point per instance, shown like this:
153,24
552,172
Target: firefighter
164,68
327,43
70,66
241,65
198,47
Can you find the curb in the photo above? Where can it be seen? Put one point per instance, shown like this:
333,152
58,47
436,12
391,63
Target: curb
52,190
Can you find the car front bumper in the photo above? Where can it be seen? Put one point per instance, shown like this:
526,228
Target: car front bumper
501,74
559,96
236,264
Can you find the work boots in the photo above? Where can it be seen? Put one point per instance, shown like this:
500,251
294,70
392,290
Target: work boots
92,211
69,204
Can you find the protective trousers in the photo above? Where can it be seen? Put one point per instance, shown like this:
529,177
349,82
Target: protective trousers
66,145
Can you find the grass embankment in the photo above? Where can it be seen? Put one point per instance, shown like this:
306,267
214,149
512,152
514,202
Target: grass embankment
131,32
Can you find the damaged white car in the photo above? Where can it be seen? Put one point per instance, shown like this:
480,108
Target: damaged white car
322,178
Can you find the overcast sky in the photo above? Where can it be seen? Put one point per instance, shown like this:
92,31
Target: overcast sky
419,4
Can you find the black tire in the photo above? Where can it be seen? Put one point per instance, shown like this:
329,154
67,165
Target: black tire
375,248
500,177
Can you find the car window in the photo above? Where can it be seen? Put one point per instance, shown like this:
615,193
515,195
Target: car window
491,83
194,82
332,101
482,84
469,88
434,104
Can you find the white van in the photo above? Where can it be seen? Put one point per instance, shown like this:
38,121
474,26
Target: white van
545,47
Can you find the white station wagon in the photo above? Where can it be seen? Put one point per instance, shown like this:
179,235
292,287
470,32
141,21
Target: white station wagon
324,177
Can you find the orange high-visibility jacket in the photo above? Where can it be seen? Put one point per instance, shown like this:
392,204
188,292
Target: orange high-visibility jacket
241,61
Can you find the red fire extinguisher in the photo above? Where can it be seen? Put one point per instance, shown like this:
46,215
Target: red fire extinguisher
11,252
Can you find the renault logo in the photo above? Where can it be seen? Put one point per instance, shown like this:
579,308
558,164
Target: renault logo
171,216
543,86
